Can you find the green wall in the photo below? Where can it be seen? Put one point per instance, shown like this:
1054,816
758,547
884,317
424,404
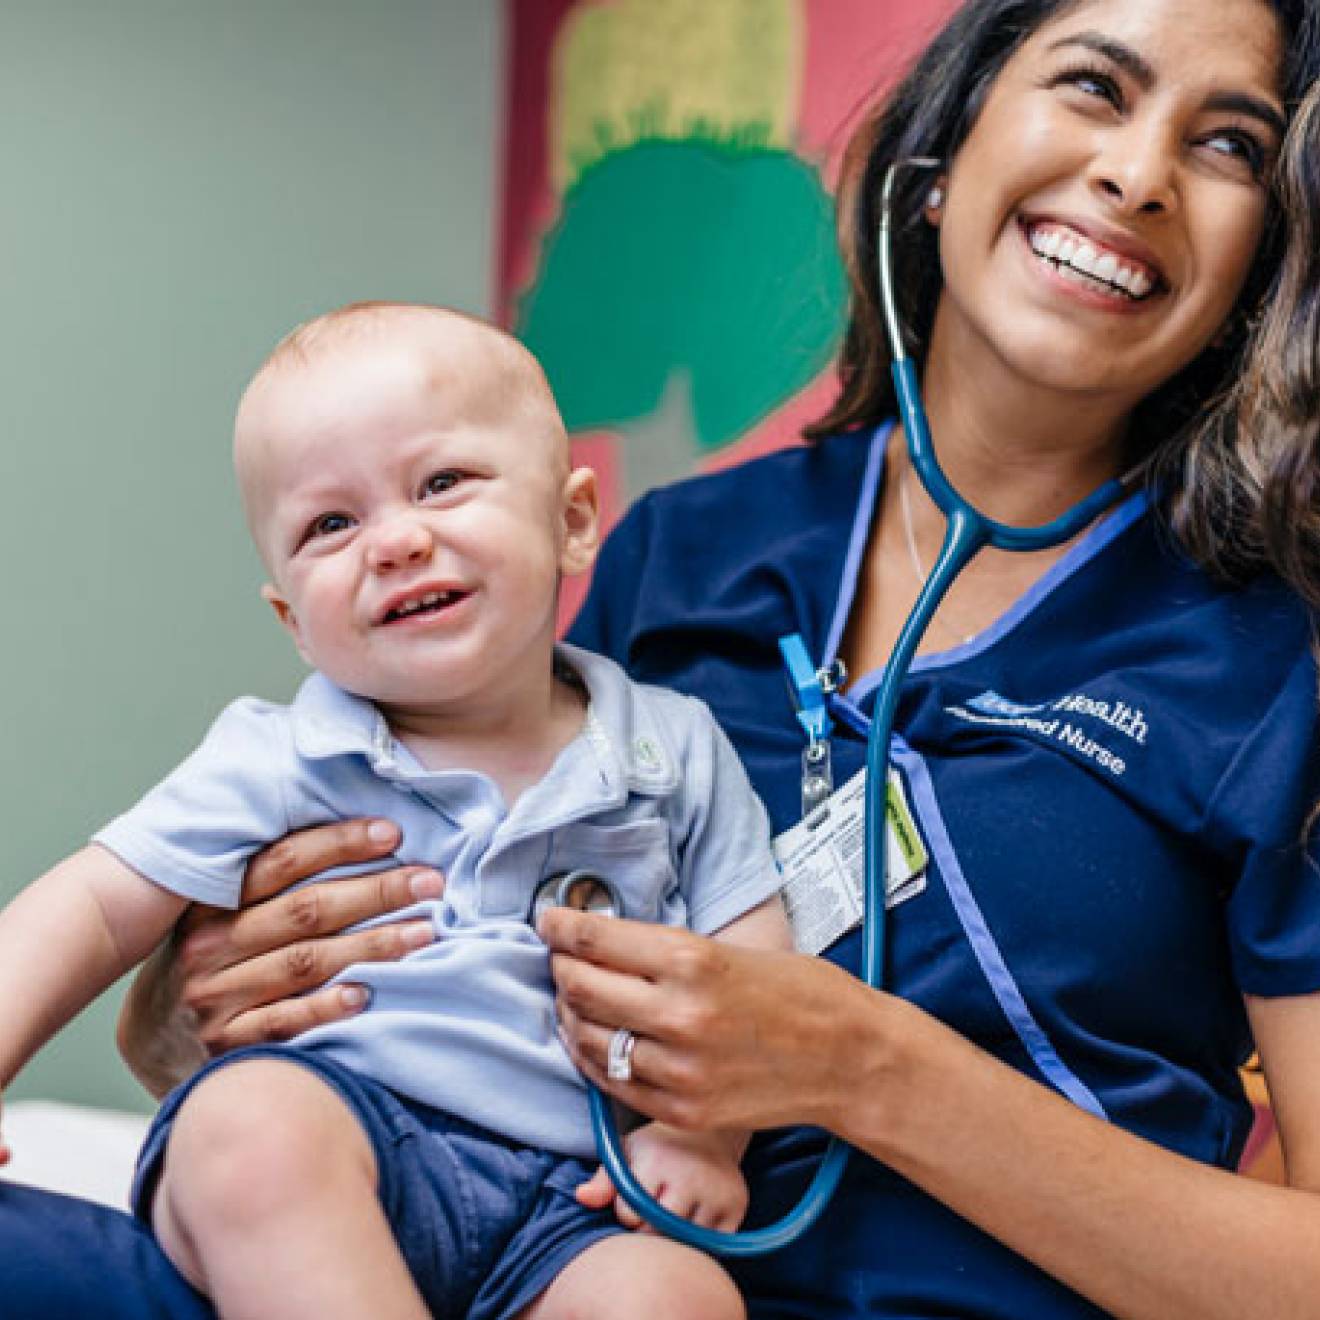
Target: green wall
183,181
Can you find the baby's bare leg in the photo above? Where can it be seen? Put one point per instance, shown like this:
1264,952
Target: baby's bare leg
642,1276
267,1201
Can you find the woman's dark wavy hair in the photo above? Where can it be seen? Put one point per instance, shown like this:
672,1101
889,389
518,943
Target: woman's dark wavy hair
1229,507
1277,400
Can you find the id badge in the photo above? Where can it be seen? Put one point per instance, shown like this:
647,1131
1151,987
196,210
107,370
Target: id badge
823,858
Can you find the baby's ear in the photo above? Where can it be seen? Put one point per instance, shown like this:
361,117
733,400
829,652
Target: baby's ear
284,613
581,515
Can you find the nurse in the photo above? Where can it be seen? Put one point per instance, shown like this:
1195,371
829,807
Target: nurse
1109,749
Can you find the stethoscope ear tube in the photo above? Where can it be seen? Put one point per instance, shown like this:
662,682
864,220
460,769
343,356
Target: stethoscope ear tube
1003,536
962,540
967,530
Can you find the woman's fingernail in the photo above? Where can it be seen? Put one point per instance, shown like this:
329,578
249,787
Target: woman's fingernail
426,884
418,934
353,997
380,831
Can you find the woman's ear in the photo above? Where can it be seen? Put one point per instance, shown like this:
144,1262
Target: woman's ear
284,613
581,519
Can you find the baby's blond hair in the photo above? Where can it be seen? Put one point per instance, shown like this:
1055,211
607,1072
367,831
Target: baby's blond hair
364,322
515,382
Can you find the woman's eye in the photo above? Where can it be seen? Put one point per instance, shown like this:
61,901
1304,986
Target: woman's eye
1235,144
439,482
329,524
1091,82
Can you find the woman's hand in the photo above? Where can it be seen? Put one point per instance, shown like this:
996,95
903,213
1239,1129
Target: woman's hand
235,978
727,1036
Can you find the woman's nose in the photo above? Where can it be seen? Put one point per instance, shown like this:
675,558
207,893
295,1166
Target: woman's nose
1136,169
399,541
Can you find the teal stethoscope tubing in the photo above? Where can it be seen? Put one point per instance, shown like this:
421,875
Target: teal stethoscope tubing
966,531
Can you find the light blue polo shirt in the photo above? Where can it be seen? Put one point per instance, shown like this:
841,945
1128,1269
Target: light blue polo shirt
650,794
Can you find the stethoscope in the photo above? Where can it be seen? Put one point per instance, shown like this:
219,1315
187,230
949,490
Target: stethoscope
966,532
581,890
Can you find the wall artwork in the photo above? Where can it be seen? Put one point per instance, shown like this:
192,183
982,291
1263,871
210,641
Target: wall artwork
667,246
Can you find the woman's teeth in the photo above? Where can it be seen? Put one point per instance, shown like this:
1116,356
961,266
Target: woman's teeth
1071,255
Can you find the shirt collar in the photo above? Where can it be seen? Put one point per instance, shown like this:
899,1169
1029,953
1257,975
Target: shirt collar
327,722
622,728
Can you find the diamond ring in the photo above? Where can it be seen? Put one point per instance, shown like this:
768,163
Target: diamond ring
618,1058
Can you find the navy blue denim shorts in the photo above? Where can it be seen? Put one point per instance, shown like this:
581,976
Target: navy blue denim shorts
484,1223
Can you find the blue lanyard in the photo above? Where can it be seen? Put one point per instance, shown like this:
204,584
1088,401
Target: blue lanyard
811,689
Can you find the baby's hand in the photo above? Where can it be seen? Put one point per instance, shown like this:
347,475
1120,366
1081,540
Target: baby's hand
692,1174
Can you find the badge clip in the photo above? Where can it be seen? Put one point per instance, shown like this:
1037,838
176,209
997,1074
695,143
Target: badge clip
817,776
809,688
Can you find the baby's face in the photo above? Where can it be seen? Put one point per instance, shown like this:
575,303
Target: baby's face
415,519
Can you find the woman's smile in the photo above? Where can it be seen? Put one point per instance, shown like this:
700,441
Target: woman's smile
1084,274
1089,261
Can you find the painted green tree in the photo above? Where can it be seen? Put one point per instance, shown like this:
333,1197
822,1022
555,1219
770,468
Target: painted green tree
695,268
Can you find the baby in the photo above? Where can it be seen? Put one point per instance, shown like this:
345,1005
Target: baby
406,479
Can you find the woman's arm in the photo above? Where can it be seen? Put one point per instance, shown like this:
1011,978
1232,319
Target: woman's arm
232,978
732,1037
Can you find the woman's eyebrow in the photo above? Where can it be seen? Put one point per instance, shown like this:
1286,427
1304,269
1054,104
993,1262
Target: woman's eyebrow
1143,74
1136,66
1241,103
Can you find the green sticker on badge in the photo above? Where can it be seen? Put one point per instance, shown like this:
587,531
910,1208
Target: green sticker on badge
902,827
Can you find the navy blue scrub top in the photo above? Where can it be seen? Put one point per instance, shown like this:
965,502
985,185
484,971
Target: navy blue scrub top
1117,773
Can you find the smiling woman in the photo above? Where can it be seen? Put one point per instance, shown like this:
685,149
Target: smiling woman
1114,913
1045,1101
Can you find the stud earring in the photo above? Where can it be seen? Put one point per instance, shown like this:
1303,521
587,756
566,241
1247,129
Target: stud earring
935,198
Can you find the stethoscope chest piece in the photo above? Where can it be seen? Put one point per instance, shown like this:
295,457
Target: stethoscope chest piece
581,890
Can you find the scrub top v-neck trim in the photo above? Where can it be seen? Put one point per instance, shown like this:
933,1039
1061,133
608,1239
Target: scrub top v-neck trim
1091,542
